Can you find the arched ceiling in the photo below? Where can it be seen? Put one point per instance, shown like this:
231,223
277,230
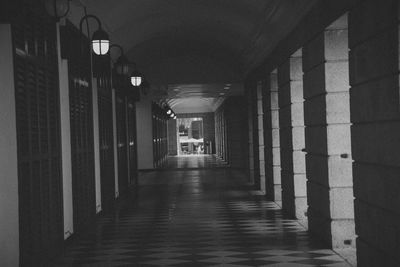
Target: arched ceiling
234,34
196,98
195,44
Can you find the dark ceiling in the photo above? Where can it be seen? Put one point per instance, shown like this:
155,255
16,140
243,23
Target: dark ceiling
198,46
198,41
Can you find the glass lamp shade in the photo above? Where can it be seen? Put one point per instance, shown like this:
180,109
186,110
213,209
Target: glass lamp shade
136,81
100,47
175,117
100,42
172,115
136,78
169,112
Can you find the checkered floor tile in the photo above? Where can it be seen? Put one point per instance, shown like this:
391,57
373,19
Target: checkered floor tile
197,218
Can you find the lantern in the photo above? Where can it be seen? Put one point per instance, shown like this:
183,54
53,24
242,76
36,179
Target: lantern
136,78
100,39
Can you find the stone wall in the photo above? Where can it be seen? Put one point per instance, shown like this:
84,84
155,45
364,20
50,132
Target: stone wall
374,100
327,119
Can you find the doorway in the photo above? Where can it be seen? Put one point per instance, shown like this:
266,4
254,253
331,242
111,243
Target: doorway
190,139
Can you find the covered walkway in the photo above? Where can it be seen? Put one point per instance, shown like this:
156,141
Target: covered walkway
293,106
209,217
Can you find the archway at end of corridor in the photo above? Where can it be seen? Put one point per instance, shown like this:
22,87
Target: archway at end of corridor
190,137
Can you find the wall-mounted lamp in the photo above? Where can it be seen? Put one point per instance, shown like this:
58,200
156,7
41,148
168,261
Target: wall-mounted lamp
100,39
122,64
136,78
57,8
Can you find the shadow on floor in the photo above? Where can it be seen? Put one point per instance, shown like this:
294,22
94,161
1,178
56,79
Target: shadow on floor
197,218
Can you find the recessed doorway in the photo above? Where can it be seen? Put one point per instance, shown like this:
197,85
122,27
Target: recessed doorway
190,136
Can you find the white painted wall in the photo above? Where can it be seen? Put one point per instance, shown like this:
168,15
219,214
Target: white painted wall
144,130
9,218
96,136
65,143
114,111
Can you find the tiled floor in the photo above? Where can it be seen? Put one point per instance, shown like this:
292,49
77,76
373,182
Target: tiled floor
194,162
197,218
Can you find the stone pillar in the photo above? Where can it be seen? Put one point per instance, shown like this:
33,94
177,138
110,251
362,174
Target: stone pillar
276,149
375,113
251,135
298,138
267,125
260,123
328,146
254,116
291,120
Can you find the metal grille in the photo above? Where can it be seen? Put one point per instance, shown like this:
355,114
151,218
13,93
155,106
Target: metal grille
76,50
126,96
106,142
122,143
38,135
160,142
132,154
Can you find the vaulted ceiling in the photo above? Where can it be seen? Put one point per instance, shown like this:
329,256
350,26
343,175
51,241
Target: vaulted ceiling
197,41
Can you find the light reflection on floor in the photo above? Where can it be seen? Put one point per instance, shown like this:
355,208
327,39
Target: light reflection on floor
204,217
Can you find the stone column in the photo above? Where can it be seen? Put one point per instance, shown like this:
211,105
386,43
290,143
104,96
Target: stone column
260,117
291,120
328,146
251,135
276,155
267,125
298,138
